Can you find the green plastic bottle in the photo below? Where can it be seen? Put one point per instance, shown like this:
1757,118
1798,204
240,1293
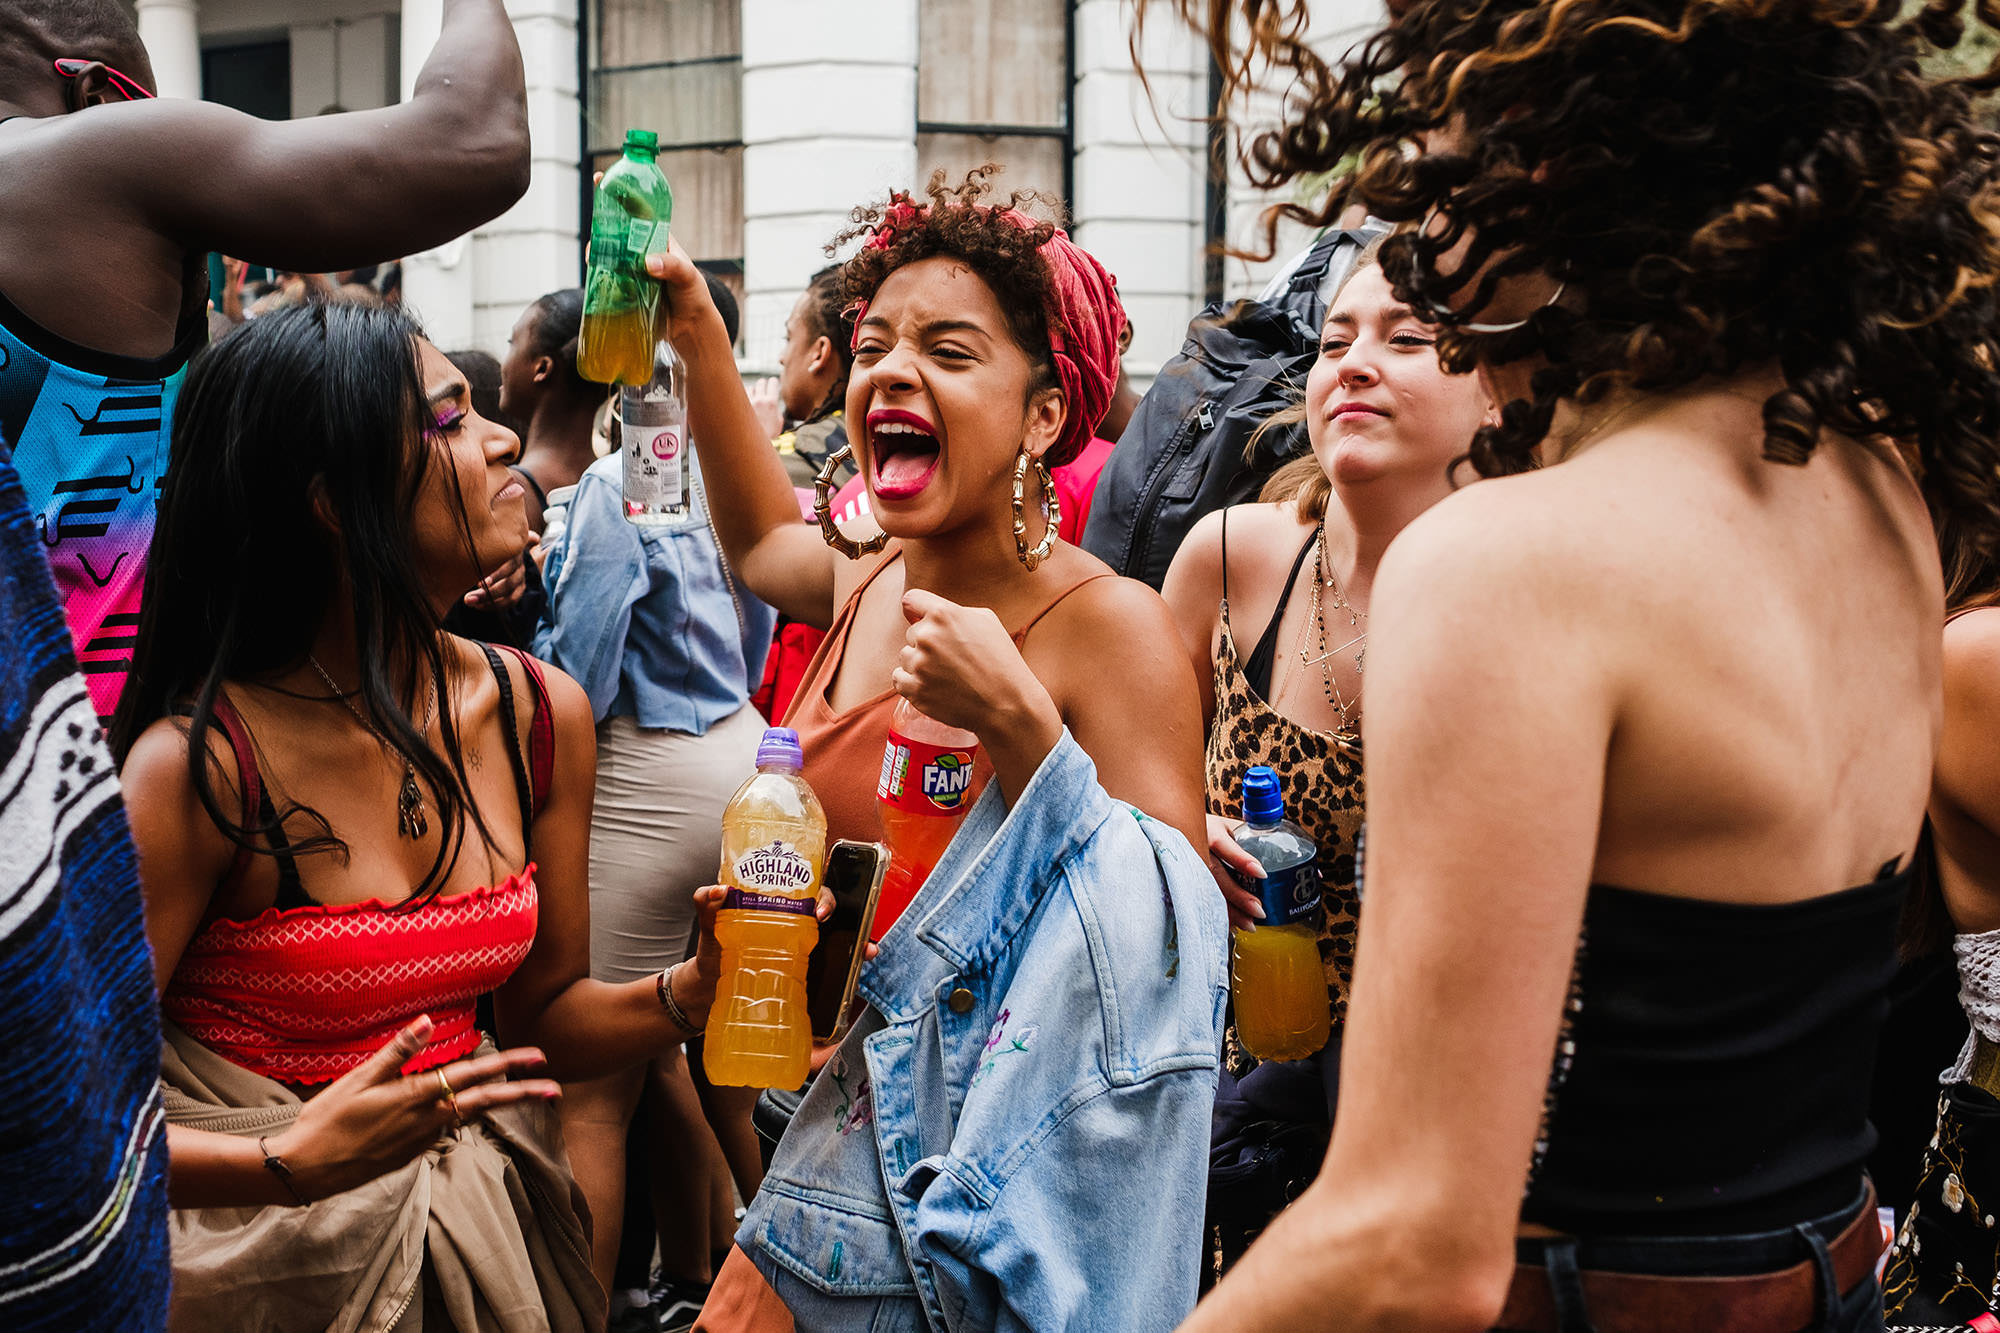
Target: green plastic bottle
628,222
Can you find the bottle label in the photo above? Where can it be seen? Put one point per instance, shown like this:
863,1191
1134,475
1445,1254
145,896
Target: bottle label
654,459
1290,896
924,779
745,900
777,866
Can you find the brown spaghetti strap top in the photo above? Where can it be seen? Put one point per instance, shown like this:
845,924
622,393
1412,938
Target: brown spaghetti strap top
844,750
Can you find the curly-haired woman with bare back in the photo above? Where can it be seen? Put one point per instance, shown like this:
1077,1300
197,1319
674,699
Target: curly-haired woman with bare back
1652,712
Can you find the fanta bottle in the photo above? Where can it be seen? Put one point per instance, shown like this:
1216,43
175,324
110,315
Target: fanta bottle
1275,975
773,853
925,790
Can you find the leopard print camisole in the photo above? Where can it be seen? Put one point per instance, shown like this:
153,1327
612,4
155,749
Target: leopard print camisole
1320,774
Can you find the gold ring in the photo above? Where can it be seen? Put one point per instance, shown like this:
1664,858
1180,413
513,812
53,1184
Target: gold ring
447,1096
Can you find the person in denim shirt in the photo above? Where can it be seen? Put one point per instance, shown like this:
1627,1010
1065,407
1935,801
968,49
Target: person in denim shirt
1015,1133
651,623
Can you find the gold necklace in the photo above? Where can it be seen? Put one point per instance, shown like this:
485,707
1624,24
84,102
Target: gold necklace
411,822
1316,615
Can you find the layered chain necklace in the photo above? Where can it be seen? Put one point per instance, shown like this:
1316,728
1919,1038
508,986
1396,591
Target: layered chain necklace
1316,617
411,821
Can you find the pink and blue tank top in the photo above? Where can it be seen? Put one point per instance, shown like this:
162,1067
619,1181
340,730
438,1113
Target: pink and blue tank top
89,432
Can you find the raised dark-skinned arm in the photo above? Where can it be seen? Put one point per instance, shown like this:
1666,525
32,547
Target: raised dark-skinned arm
325,192
756,513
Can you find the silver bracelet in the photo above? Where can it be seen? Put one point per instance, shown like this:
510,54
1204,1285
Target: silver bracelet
664,988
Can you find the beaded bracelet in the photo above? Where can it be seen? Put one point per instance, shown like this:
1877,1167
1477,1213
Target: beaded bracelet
664,988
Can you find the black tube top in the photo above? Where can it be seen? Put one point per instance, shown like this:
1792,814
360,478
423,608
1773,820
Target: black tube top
1714,1067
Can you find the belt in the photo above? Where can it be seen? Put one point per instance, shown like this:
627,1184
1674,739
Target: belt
1985,1071
1775,1302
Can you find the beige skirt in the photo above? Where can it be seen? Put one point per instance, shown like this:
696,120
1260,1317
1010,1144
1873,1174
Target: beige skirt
485,1232
656,835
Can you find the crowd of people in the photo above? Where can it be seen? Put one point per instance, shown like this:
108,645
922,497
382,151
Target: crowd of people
362,766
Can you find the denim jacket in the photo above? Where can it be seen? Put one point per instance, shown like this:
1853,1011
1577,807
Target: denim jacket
648,620
1015,1133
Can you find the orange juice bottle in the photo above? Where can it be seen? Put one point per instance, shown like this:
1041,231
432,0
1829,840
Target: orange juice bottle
773,854
1276,979
629,218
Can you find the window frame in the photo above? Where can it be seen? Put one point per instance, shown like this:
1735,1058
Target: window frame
1064,132
588,15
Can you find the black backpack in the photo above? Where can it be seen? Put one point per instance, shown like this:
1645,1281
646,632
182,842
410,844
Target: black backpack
1182,455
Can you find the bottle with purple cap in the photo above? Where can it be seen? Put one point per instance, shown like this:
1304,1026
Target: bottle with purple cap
773,854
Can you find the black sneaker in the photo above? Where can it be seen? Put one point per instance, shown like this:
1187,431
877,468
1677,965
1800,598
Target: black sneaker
677,1304
632,1319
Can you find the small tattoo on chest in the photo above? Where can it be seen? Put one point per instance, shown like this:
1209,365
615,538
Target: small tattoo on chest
473,759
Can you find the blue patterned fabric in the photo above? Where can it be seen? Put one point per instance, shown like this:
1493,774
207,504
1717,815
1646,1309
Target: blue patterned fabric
83,1197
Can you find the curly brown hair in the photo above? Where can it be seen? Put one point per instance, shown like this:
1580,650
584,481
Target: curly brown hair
1718,185
968,222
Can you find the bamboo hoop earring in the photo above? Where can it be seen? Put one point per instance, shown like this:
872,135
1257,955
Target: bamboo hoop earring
823,510
1048,542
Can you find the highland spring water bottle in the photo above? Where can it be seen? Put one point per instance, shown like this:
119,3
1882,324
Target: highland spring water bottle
773,855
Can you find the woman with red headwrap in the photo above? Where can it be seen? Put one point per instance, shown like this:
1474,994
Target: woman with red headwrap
985,352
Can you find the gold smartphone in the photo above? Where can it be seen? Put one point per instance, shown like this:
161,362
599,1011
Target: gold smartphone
854,878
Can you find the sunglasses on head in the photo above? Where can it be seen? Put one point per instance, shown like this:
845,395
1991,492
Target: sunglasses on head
128,87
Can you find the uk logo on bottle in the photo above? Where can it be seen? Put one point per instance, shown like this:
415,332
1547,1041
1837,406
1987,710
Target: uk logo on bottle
667,445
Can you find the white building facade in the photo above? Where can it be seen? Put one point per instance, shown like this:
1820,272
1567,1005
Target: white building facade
776,118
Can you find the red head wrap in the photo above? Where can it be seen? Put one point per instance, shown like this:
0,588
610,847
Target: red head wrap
1085,320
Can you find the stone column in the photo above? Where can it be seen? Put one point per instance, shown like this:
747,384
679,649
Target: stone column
534,247
437,284
172,34
829,121
469,291
1139,191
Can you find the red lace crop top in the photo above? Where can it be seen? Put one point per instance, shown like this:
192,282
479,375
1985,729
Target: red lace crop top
305,991
304,994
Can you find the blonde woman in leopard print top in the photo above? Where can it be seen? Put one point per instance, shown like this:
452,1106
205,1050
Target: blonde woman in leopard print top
1292,576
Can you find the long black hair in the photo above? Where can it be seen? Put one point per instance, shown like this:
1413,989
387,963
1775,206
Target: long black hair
299,453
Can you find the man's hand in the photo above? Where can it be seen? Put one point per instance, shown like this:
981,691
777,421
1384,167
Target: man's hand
769,405
506,585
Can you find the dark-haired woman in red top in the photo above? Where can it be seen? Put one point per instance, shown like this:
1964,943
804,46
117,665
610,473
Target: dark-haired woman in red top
350,826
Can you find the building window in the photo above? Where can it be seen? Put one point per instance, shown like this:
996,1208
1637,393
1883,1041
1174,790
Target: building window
674,67
994,80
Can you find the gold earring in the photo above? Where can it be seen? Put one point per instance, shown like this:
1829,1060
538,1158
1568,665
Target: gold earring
823,510
1048,542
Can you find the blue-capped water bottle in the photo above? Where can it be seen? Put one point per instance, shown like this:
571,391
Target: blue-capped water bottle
1275,974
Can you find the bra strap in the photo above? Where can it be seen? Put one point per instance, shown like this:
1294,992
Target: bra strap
1022,633
533,784
1225,553
247,778
258,813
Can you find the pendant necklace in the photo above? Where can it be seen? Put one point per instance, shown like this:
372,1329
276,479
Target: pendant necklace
411,822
